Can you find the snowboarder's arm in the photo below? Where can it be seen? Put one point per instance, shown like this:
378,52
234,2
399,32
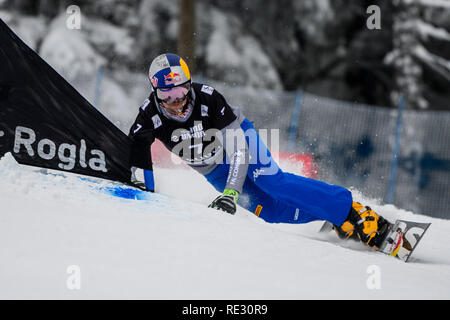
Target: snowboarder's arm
141,132
228,120
233,138
237,153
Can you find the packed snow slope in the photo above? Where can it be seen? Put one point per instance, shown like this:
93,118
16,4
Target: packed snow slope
174,247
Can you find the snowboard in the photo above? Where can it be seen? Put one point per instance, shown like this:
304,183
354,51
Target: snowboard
401,240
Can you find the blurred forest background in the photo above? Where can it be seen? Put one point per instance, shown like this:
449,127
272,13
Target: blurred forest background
322,46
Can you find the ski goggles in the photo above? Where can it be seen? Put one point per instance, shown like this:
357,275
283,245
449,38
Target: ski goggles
173,95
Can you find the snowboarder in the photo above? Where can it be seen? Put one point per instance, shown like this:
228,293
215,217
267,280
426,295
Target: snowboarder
194,120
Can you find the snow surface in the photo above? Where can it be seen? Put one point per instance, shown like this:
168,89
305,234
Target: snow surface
174,247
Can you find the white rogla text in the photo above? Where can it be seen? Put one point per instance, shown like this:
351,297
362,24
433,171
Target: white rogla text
67,153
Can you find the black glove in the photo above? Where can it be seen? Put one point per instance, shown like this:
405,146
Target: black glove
136,183
226,202
139,184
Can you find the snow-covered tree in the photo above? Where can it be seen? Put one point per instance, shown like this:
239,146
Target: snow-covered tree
412,32
322,46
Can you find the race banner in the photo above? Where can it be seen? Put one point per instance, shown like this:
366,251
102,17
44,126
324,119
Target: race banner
45,122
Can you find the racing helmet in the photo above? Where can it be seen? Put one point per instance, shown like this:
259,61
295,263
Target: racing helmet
169,77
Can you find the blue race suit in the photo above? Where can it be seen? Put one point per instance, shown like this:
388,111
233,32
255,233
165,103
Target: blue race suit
278,196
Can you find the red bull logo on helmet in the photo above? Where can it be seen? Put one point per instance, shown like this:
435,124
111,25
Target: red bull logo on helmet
172,78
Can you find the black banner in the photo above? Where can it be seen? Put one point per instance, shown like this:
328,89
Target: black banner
45,122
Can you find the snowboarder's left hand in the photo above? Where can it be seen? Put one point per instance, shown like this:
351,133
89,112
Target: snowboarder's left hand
226,202
139,184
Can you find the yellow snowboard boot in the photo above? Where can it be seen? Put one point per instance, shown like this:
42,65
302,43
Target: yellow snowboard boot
364,224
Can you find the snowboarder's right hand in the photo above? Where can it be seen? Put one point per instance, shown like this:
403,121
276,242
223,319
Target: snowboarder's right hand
226,202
